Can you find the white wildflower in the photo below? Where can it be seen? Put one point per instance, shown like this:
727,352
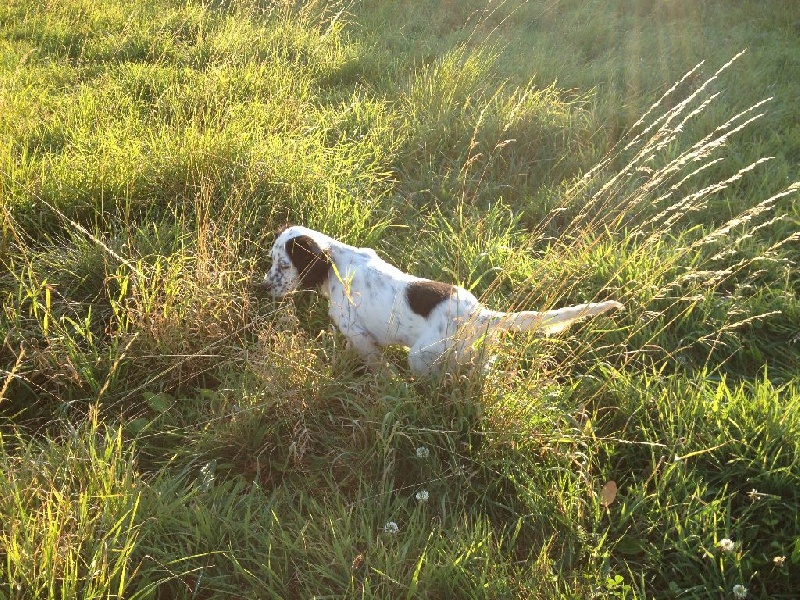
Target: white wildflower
754,495
423,452
391,527
739,591
206,480
779,561
726,545
422,495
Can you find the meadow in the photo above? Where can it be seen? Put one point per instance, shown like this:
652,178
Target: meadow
167,432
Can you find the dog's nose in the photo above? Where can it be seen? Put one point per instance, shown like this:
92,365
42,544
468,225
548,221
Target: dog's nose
260,285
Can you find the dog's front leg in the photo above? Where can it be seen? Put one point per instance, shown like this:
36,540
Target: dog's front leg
344,315
365,345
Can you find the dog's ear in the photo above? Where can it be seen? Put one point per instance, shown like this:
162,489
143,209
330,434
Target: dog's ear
311,261
282,228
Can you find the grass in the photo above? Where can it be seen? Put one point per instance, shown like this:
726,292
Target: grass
165,433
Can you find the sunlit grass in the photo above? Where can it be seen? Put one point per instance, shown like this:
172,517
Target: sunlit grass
166,433
70,515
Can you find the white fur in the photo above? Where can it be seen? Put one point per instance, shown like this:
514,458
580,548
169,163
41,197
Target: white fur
368,303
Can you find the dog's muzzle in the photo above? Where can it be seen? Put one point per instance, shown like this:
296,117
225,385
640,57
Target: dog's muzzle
261,285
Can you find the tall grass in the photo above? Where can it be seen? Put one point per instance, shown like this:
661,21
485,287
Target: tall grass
70,525
166,433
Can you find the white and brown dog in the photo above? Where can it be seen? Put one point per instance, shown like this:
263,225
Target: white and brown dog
375,304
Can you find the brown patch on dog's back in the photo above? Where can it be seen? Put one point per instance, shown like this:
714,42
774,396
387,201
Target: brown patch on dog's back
425,295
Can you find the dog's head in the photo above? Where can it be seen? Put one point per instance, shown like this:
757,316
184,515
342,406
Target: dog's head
299,262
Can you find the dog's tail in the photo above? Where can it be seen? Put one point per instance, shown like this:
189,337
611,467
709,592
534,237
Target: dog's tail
549,321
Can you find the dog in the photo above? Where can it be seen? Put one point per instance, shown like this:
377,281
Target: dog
375,304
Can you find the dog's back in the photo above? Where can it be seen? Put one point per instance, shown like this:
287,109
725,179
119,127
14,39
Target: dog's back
390,305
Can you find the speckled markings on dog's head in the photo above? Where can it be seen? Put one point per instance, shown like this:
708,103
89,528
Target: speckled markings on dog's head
298,262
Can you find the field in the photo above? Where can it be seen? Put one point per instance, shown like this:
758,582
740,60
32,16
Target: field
167,432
